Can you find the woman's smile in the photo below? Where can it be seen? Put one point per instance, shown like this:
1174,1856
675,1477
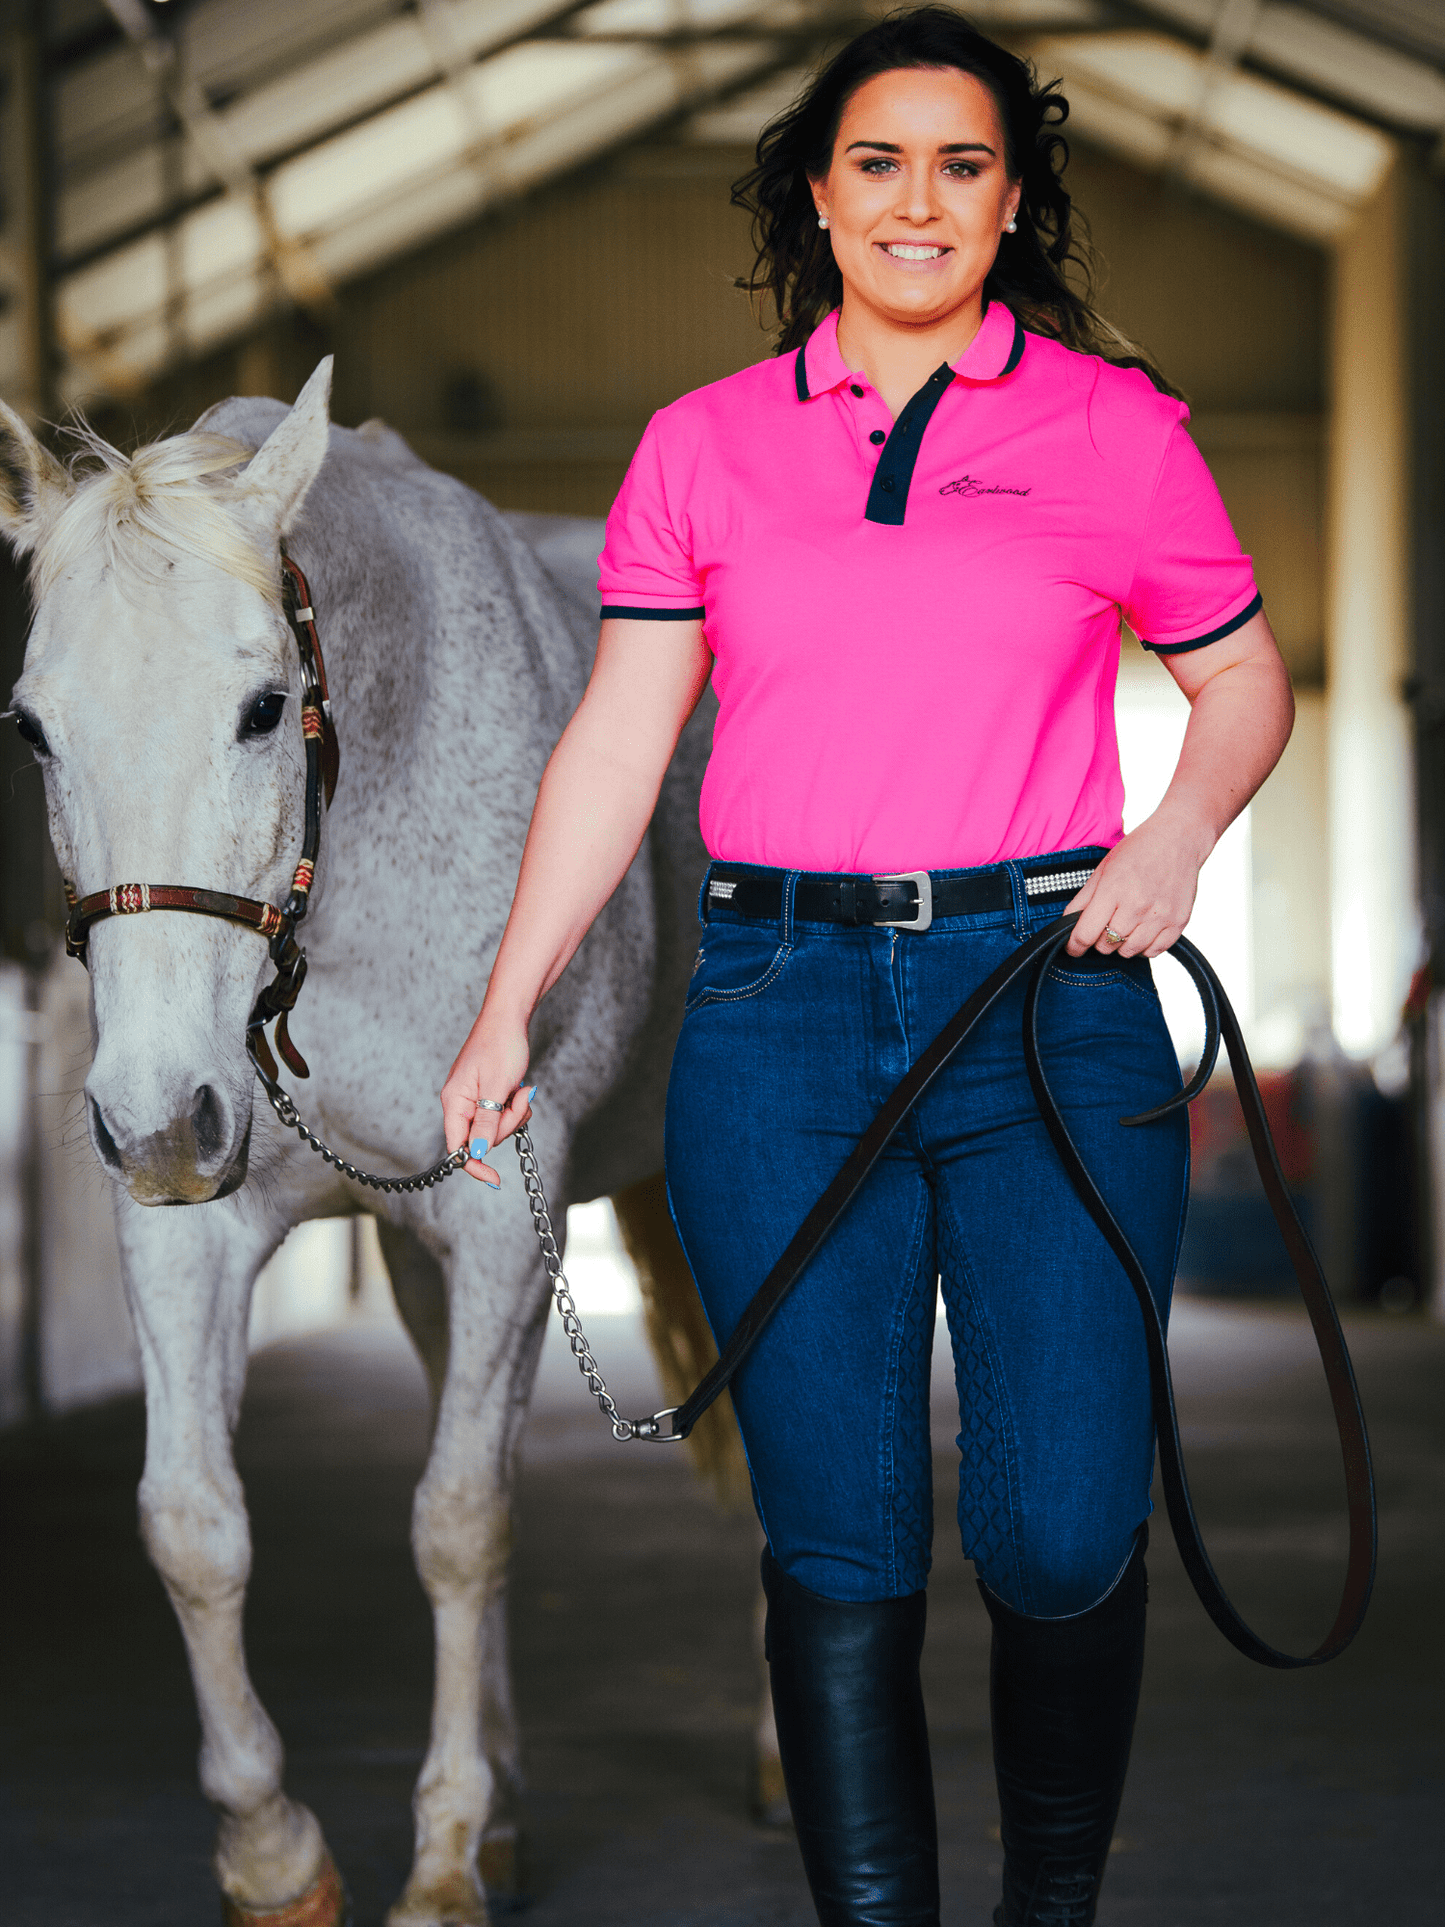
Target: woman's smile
913,255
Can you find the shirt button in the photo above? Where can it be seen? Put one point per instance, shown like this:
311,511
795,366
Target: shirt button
856,390
878,438
887,485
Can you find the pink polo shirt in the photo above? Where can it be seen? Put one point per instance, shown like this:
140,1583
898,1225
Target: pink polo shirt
915,625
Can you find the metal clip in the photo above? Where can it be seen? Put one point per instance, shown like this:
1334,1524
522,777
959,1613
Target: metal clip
923,916
651,1430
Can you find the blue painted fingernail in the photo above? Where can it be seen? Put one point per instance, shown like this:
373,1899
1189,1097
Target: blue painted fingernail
479,1149
531,1092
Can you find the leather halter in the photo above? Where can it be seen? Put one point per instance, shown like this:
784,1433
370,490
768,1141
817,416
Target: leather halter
278,925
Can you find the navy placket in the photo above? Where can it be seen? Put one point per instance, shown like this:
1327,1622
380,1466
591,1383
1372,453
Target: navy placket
893,476
888,497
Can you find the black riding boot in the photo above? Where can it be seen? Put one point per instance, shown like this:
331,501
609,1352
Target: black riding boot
854,1747
1064,1694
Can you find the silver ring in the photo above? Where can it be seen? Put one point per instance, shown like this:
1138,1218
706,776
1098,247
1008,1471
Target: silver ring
489,1104
1112,934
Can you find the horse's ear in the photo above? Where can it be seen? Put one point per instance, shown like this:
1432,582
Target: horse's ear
33,485
287,462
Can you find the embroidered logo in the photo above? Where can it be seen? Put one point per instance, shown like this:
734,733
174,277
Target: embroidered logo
971,485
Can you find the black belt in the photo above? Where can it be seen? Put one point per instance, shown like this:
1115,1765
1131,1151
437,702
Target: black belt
908,901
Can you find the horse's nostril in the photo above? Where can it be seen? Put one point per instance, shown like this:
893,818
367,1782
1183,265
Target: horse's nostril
208,1121
104,1142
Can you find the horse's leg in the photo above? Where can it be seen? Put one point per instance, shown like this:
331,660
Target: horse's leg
677,1330
682,1344
188,1276
419,1286
466,1800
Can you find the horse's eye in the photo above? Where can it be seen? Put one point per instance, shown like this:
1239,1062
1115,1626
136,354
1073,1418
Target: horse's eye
33,733
264,714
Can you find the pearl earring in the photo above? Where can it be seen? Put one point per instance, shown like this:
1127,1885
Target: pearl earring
1012,228
822,220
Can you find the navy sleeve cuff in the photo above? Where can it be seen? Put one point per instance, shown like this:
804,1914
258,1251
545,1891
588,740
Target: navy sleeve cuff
652,615
1215,635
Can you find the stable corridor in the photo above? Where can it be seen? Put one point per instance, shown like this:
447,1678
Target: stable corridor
1257,1799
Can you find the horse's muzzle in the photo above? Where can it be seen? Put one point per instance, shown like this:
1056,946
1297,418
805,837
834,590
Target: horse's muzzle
193,1159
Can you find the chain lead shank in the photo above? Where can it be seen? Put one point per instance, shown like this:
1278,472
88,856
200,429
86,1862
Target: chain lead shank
622,1428
288,1115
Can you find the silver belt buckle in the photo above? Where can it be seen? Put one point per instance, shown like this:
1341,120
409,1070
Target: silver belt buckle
923,916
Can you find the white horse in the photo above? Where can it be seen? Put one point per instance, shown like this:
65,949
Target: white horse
161,693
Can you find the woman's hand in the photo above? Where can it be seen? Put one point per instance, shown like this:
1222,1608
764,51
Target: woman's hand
490,1065
1141,896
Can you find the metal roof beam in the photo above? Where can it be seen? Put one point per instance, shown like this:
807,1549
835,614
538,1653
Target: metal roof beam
1259,147
288,256
487,132
1317,57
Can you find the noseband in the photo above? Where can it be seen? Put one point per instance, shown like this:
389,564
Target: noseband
323,761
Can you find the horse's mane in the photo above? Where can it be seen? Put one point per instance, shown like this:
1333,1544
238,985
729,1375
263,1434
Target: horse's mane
172,496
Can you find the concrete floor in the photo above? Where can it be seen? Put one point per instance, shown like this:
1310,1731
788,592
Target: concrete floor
1288,1800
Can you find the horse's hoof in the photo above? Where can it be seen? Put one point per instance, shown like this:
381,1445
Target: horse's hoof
770,1795
455,1901
325,1903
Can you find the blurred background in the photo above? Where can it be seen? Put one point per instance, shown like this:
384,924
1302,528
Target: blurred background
510,222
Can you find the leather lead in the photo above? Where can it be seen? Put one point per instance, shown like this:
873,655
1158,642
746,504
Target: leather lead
1334,1353
1035,955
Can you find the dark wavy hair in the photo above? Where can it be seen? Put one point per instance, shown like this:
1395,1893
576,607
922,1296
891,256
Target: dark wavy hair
795,262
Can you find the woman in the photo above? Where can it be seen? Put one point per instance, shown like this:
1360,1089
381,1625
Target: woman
901,550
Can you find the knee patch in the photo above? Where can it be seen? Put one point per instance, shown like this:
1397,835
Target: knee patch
1066,1588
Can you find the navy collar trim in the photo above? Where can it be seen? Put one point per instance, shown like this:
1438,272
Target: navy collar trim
1016,353
1015,356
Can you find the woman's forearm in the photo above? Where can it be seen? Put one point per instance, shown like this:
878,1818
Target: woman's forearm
590,817
1239,723
596,799
1139,899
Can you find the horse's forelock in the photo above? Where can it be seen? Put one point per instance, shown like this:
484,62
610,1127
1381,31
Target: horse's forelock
137,512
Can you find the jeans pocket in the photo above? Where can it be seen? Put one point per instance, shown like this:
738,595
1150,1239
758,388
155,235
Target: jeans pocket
735,962
1095,971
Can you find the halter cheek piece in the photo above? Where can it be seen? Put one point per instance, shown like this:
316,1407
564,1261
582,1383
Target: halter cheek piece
323,761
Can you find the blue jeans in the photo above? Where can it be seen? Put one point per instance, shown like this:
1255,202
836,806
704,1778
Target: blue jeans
794,1034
